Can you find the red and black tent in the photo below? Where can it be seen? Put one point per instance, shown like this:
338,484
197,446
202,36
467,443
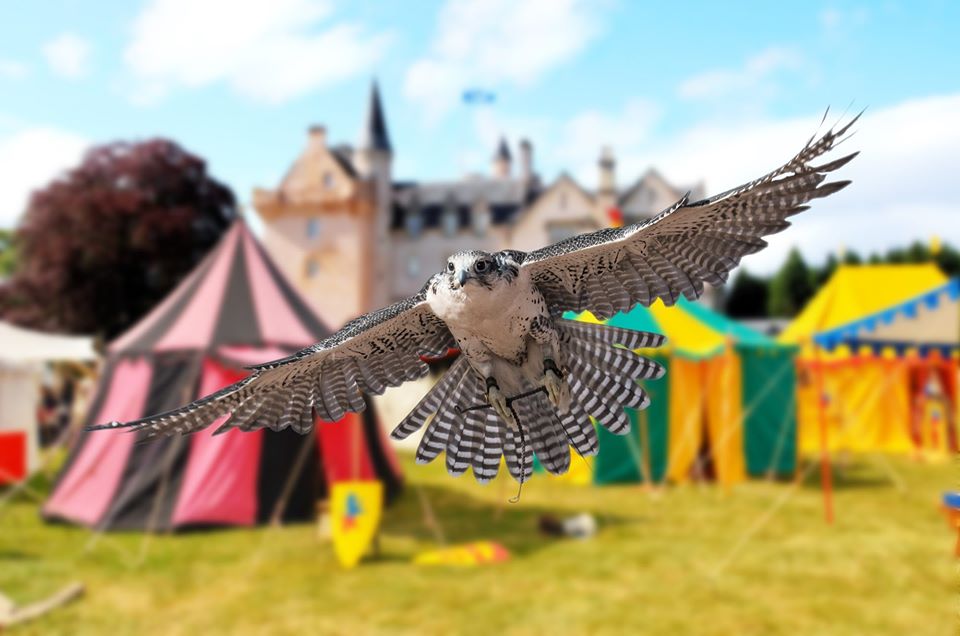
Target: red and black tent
233,310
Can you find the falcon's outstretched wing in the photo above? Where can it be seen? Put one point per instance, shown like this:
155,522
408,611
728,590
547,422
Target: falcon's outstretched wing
684,246
369,354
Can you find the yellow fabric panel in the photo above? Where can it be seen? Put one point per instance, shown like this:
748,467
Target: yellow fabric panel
857,290
687,402
685,333
868,407
580,473
725,417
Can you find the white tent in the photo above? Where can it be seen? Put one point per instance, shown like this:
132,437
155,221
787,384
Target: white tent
23,354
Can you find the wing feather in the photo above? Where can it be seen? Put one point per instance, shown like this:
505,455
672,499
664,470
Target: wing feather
686,245
373,352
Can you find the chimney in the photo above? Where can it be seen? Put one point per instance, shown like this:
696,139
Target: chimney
608,177
317,136
607,185
501,160
526,160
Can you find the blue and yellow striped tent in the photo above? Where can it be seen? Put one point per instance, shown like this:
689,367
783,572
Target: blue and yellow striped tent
724,410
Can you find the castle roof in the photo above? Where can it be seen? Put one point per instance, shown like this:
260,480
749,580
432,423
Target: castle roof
374,135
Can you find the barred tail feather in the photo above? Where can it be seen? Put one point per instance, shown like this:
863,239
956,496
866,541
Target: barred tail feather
602,372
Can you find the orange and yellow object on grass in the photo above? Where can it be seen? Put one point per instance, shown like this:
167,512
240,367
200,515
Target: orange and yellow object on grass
465,555
355,511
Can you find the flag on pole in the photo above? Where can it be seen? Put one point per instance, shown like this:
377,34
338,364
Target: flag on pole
355,508
478,96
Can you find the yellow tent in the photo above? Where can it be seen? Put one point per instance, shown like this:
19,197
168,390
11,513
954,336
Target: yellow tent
865,395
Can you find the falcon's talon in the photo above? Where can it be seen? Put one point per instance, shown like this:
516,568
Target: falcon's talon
498,401
558,391
550,365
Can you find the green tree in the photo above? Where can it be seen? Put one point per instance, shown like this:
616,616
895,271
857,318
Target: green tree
820,276
948,259
791,287
100,246
747,297
8,254
851,258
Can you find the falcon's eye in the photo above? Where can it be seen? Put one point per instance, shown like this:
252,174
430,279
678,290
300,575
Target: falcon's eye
481,266
450,267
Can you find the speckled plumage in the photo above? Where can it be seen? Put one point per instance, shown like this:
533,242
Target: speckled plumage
504,312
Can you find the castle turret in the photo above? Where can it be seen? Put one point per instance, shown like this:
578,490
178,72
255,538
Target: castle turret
373,161
526,161
502,160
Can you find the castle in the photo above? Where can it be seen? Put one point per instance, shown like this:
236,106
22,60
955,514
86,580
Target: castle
353,239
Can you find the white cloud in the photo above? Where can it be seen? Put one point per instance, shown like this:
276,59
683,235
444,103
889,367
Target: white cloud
583,136
68,55
11,69
494,44
751,77
833,21
269,51
29,159
903,181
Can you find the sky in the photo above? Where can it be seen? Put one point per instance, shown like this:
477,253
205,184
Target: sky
718,92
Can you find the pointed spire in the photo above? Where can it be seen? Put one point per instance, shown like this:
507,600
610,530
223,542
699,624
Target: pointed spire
503,150
375,136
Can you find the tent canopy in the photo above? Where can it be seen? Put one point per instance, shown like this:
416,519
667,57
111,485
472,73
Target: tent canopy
235,297
856,291
20,346
234,309
928,322
692,330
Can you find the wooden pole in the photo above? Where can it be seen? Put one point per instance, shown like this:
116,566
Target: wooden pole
826,475
309,440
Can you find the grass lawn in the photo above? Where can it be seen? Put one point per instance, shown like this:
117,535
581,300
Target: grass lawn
663,563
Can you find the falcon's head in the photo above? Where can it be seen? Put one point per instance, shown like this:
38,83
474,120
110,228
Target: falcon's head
481,268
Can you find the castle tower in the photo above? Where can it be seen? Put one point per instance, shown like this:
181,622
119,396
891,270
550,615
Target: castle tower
373,161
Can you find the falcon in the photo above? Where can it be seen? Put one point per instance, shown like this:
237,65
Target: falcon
528,381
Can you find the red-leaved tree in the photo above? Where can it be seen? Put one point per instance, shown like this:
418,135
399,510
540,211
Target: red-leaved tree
100,246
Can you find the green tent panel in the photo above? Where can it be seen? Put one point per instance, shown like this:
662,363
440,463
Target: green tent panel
770,410
625,458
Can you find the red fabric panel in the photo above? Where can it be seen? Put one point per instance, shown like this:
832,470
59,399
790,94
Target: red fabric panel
84,494
194,328
275,318
343,448
13,456
948,377
220,480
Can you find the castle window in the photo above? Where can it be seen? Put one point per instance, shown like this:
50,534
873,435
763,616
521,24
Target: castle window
451,217
313,228
328,180
480,217
312,267
413,221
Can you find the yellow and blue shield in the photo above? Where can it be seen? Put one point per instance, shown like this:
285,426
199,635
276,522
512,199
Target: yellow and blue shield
355,508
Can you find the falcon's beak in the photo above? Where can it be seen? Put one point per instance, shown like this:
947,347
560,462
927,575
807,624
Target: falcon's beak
462,277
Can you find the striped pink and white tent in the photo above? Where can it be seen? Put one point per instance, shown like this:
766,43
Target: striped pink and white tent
233,310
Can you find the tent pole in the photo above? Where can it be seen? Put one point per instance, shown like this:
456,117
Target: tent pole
646,467
276,517
826,476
